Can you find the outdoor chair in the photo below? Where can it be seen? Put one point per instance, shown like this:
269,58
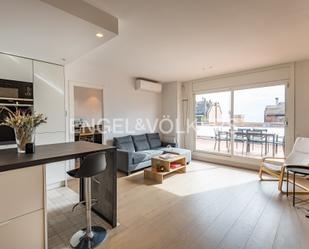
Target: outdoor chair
222,136
280,141
256,137
240,137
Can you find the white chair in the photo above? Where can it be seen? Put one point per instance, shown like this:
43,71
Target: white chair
276,167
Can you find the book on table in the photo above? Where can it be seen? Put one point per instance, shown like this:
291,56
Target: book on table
168,156
175,165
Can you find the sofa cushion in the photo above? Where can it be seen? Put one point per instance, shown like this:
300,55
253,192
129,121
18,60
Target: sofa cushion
152,153
154,140
138,157
145,155
124,143
140,142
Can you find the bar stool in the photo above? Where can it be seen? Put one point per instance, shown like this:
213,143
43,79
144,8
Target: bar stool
91,236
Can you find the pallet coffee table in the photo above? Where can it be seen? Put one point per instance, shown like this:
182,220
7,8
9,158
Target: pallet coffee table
168,162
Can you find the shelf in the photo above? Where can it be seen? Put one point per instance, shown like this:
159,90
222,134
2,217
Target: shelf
152,173
167,172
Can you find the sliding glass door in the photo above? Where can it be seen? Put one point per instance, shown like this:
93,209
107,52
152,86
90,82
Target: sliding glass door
213,122
257,128
259,120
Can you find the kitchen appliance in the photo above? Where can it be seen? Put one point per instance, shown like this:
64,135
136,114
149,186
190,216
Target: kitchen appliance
14,95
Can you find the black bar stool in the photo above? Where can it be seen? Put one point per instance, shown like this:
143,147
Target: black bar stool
91,236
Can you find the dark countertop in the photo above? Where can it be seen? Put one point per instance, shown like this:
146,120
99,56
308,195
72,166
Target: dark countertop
10,159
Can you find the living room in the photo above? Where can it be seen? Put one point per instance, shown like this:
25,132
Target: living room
154,124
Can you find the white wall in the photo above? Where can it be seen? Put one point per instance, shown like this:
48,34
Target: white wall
88,104
302,99
121,100
170,110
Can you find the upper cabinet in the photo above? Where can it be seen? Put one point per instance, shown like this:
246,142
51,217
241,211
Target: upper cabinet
16,68
49,96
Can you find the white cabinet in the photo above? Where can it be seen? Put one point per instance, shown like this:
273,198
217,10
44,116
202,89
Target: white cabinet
49,100
23,232
22,209
16,68
21,192
55,172
49,96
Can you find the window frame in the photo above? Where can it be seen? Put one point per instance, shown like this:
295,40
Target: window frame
289,126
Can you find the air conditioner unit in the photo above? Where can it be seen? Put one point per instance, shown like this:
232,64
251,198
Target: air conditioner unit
148,86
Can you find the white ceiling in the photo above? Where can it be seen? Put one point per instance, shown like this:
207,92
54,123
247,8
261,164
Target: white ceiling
34,29
170,40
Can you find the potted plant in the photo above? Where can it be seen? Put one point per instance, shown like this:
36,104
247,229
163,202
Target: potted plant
24,125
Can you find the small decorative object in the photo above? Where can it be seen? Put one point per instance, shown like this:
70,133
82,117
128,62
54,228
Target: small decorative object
29,148
161,168
24,125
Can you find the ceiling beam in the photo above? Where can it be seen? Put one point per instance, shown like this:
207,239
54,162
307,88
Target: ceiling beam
87,12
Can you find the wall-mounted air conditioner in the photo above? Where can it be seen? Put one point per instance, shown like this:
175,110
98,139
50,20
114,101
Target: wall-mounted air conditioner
149,86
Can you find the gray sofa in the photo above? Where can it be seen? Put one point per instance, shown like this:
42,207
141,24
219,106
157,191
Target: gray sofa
135,152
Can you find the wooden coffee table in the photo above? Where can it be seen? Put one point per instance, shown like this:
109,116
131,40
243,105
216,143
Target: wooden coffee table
154,174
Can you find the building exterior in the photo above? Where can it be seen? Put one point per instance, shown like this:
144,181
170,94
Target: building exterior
239,119
275,113
208,112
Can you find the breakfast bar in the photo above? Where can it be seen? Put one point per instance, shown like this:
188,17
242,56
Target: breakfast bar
23,210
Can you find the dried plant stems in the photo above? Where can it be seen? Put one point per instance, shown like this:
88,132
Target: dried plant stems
24,124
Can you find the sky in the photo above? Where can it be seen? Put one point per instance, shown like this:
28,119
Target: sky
249,102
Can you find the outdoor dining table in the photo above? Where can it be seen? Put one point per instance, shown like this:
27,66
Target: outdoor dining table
268,137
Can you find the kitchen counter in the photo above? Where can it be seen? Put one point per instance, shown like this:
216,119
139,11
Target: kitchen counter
10,159
23,191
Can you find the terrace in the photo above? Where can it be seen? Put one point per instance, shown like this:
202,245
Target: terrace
255,142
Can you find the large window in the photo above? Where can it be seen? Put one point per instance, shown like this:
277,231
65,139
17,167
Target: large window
257,126
213,122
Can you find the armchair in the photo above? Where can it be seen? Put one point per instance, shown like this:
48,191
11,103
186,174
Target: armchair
276,167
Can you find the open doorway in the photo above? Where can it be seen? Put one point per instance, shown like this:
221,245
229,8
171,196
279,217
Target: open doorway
86,104
88,114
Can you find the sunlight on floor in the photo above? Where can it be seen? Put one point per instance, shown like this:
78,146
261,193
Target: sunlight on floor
202,178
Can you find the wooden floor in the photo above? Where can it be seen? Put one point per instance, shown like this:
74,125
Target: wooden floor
208,207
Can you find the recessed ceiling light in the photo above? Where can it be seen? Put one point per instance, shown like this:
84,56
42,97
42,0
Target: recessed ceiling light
100,35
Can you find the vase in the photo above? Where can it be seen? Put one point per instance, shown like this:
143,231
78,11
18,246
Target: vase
24,136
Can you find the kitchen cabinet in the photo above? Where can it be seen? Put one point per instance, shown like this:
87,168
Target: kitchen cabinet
22,209
16,68
28,228
21,191
49,95
55,172
49,99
